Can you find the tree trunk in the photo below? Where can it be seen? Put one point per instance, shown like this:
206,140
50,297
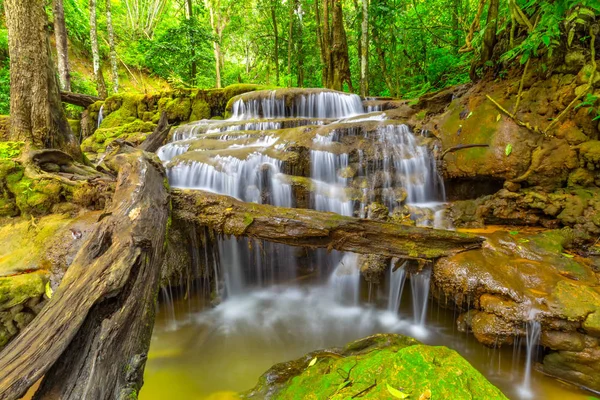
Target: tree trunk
62,48
78,99
98,77
326,46
364,50
293,7
276,33
217,50
338,63
113,51
97,350
300,56
193,66
489,36
321,42
317,229
36,114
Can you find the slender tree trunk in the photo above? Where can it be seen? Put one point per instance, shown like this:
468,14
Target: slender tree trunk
364,50
358,7
62,48
217,51
100,85
113,51
36,113
300,58
321,42
489,36
193,66
326,46
276,33
293,7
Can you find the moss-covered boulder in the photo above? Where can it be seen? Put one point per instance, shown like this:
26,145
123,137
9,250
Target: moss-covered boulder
520,276
375,368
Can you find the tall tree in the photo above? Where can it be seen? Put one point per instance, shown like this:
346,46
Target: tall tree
36,114
62,48
111,44
98,77
292,10
219,18
190,18
364,49
489,36
334,46
276,42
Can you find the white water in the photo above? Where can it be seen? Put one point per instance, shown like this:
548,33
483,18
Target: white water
100,116
533,330
322,104
396,286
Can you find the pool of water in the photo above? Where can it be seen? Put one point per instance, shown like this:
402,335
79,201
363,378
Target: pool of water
201,352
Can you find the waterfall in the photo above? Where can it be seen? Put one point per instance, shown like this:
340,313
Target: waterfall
345,280
533,332
100,116
419,283
317,104
171,150
256,179
396,286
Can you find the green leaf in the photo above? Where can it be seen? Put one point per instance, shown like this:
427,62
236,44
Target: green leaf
508,149
514,232
343,385
312,362
567,255
48,290
524,58
498,117
395,392
546,40
469,116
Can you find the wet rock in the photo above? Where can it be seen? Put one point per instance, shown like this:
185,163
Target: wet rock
373,267
368,366
515,273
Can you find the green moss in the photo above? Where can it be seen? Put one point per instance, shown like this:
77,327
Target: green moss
18,289
421,115
404,364
177,109
10,150
581,177
121,109
134,132
579,302
590,154
200,110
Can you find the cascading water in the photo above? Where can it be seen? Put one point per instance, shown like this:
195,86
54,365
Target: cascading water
100,116
533,331
272,307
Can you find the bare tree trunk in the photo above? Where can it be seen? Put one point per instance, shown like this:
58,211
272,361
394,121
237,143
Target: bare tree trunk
217,49
36,114
300,53
293,7
340,63
62,48
326,46
193,66
364,50
276,33
100,85
113,51
321,42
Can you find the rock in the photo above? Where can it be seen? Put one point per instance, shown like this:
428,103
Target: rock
369,365
574,61
515,273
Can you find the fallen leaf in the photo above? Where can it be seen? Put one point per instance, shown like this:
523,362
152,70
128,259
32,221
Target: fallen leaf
498,117
49,290
508,149
395,392
425,395
312,362
567,255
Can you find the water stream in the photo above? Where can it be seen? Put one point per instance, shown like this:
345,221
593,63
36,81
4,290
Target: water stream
278,302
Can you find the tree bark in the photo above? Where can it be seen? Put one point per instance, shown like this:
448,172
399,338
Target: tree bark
62,48
489,36
158,137
78,99
36,114
339,63
98,77
364,50
113,50
293,7
276,33
97,349
317,229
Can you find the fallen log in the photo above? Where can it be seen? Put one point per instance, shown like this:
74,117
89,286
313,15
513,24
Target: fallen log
158,137
78,99
309,228
91,339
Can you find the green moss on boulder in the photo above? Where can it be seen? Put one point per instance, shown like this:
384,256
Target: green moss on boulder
18,289
372,364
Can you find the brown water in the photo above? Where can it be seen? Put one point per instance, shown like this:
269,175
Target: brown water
199,352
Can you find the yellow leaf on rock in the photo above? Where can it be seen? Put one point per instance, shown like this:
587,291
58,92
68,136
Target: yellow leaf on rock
395,392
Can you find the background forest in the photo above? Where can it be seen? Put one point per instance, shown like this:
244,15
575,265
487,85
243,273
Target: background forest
412,46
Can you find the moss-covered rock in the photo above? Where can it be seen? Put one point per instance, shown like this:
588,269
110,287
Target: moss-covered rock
374,367
589,153
18,289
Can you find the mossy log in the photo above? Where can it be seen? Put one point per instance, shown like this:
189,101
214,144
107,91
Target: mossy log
78,99
309,228
92,338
